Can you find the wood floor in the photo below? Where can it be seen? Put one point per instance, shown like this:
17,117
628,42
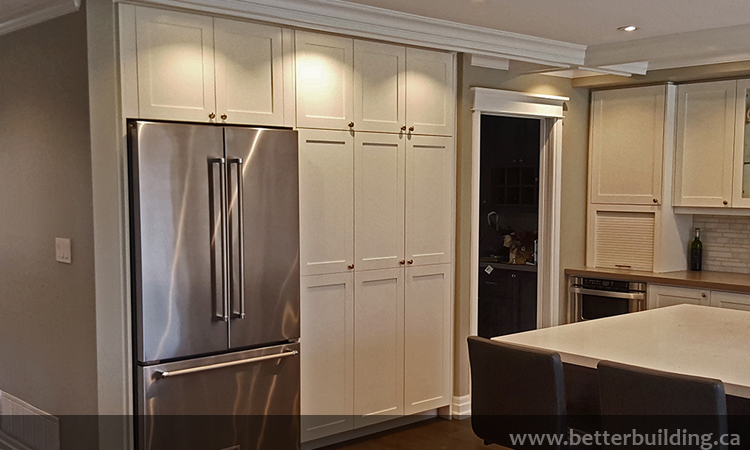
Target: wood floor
433,434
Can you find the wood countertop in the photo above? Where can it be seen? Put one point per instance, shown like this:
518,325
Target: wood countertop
687,339
717,281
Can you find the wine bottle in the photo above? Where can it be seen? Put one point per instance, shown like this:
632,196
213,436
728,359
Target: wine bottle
696,252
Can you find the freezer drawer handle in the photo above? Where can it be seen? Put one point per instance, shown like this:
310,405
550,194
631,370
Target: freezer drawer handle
226,364
241,235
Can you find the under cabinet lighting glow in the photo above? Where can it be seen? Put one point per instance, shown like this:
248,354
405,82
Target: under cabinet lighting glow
628,28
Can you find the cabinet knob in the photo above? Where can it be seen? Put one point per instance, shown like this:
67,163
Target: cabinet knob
411,129
223,117
402,262
351,266
513,275
212,115
351,124
656,201
725,202
411,261
703,295
403,128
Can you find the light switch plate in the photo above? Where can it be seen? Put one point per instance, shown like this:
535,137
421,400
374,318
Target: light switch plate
62,250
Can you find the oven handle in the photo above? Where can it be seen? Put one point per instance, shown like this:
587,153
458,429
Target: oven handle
611,294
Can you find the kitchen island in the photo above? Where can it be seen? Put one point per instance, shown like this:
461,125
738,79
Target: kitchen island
687,339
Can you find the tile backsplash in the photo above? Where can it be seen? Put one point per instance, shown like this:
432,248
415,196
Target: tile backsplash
726,242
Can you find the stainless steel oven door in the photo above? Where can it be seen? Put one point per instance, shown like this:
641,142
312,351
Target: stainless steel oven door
589,304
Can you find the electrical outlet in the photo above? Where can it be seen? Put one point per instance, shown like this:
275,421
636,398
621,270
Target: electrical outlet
62,250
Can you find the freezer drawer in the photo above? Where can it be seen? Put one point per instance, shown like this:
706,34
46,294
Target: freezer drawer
241,401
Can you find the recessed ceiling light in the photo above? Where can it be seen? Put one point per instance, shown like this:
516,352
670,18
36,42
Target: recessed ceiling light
628,28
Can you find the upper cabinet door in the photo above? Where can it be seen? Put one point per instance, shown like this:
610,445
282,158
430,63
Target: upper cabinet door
429,200
705,144
379,87
324,81
741,191
379,200
249,81
175,65
326,184
627,143
430,102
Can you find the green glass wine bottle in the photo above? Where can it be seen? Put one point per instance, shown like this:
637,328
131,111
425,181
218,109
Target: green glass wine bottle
696,252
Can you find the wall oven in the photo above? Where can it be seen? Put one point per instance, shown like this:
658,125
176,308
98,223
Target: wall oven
594,298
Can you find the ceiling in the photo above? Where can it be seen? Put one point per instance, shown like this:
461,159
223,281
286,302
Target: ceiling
585,22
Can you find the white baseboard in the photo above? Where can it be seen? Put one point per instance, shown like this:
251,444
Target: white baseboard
461,407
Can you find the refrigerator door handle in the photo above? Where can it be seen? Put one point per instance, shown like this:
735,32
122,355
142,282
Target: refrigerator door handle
176,373
223,229
240,235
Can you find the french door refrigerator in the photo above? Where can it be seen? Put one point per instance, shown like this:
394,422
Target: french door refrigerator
215,281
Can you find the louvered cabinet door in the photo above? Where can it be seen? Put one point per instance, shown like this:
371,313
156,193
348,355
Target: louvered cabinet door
622,239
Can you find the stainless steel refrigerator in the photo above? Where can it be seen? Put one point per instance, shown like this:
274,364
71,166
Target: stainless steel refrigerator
215,281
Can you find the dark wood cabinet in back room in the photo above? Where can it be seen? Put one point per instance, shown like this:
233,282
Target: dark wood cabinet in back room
507,301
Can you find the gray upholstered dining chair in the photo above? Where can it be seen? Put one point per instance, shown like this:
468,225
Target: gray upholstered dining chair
515,389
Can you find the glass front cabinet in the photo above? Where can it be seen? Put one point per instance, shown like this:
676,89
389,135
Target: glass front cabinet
742,146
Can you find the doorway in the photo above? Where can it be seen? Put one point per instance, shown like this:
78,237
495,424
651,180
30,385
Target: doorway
510,150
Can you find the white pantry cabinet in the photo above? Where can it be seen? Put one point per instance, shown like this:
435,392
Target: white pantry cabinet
428,338
327,355
627,146
203,69
660,296
705,144
379,183
326,185
378,345
347,84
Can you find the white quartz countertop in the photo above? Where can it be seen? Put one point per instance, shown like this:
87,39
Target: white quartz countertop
688,339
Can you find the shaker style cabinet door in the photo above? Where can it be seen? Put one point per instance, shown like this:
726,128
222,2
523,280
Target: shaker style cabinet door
379,87
427,353
661,296
430,102
326,175
627,142
327,355
379,200
175,65
249,82
429,203
324,81
730,300
378,346
741,190
704,154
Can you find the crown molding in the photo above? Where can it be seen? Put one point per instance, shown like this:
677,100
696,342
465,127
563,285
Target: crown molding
716,46
35,12
338,16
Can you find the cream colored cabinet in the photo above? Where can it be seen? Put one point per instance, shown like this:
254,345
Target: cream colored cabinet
741,189
378,346
249,79
428,338
627,142
660,296
327,355
379,87
429,200
204,69
705,144
326,176
379,184
730,300
324,67
175,63
430,96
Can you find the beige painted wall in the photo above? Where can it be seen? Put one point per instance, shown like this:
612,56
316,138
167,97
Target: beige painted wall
47,309
575,145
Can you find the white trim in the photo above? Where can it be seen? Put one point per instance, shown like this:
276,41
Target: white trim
549,109
707,211
490,62
337,16
461,407
44,10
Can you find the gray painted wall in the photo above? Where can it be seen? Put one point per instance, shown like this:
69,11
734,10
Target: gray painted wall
574,178
47,309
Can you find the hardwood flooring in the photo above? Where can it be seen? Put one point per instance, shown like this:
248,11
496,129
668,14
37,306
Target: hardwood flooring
433,434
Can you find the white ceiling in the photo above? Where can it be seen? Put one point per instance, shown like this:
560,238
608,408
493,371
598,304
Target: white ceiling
586,22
